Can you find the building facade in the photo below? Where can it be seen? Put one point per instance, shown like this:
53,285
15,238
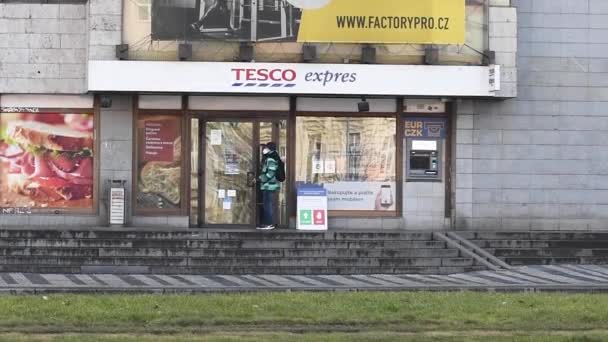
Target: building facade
504,130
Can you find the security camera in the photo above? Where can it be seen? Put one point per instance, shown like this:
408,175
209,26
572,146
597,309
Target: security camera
105,101
363,105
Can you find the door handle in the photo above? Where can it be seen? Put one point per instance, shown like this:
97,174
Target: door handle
251,179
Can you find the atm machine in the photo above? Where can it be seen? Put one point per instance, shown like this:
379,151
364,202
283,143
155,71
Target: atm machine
424,159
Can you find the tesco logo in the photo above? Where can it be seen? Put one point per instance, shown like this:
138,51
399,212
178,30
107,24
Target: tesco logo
287,77
274,78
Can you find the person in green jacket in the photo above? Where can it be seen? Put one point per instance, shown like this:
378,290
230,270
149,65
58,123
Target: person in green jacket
269,184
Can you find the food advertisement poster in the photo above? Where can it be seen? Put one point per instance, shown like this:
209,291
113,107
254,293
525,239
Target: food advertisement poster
159,162
47,160
322,21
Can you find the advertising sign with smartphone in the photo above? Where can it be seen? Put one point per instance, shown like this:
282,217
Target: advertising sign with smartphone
361,196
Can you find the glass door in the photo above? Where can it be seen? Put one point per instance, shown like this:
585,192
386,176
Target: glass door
276,131
230,171
223,189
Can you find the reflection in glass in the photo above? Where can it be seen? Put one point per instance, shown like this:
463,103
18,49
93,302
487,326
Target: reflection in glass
283,218
194,168
266,135
354,158
229,171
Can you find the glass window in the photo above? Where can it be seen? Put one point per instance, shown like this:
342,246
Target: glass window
47,161
159,160
144,10
353,158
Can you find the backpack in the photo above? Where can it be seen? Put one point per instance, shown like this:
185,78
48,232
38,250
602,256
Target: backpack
280,170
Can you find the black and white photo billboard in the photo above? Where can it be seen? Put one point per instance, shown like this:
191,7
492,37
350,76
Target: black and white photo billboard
232,20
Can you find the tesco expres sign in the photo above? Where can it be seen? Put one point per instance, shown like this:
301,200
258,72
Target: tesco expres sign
287,77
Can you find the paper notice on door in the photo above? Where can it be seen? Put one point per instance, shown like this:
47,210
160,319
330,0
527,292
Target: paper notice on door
216,137
221,193
227,204
330,166
231,193
317,166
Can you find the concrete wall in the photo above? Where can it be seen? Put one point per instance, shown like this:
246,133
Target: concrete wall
43,48
541,161
105,28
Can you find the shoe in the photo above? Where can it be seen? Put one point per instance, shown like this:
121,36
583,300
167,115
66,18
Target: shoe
268,227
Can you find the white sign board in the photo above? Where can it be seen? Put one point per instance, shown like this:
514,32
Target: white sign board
312,208
117,206
291,78
365,196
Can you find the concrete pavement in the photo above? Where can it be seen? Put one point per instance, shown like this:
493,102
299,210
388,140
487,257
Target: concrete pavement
526,278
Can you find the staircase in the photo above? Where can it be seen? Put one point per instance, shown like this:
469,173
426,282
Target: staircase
543,248
227,252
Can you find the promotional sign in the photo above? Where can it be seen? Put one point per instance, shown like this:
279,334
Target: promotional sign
385,21
327,21
158,161
371,196
425,128
312,208
46,160
117,206
159,140
289,78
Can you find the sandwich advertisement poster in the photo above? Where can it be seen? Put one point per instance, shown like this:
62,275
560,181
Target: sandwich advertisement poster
315,21
46,160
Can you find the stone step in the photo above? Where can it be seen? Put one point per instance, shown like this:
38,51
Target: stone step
228,251
220,261
262,243
315,262
520,261
541,243
317,270
534,235
90,260
548,252
213,270
278,253
281,234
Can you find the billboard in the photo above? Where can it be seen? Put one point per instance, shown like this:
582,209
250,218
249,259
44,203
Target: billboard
314,21
46,160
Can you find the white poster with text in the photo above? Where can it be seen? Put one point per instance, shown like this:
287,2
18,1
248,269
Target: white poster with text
361,196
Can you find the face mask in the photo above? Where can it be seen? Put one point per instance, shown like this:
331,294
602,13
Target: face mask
266,150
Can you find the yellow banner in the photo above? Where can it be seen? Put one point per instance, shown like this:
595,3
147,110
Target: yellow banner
385,21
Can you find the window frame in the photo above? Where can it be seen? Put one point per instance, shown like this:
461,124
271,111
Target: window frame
94,210
398,212
185,149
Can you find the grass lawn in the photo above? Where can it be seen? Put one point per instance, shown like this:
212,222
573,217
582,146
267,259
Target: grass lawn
328,316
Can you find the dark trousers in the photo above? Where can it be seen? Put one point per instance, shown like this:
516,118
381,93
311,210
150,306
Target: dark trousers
268,198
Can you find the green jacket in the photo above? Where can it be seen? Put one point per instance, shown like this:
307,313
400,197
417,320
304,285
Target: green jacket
269,173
